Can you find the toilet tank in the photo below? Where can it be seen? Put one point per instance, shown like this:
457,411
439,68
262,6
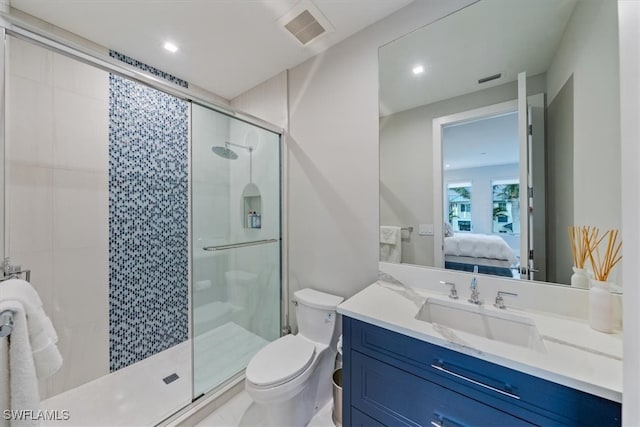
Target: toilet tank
316,314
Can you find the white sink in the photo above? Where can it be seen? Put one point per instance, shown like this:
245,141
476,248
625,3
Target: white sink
487,322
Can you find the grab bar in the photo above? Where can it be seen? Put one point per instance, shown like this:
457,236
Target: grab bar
238,245
6,323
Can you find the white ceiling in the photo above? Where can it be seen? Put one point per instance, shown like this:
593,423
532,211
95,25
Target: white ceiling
501,36
225,46
486,142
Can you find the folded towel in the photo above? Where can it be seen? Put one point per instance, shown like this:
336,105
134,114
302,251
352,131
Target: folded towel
18,381
390,234
42,335
390,244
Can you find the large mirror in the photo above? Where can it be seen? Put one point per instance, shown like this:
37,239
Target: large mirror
499,129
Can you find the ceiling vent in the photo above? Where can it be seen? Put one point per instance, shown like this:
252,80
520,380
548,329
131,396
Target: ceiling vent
305,27
305,22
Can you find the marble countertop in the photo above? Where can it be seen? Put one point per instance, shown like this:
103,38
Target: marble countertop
576,356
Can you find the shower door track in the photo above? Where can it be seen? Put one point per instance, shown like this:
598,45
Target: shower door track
238,245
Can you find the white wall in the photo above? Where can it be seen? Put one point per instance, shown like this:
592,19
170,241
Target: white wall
57,210
629,14
332,150
587,51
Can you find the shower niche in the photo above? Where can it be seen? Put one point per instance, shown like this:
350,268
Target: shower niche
251,206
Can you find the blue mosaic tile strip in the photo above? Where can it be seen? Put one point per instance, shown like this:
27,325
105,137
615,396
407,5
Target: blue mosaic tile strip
148,221
148,68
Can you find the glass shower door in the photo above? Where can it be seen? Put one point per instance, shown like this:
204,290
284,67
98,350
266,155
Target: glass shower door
235,231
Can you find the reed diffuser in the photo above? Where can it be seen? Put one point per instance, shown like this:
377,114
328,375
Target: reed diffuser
603,264
579,236
601,316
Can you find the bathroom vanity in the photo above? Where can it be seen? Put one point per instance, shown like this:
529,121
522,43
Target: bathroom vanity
402,368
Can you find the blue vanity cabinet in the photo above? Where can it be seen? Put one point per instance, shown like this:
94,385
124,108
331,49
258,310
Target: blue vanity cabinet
390,379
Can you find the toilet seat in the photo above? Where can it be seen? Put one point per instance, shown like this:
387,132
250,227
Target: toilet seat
280,361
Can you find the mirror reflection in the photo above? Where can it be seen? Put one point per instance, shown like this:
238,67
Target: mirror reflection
499,130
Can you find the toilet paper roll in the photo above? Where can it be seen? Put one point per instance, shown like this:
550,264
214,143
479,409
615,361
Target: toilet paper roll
203,284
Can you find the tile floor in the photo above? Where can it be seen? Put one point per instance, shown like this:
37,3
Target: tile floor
242,412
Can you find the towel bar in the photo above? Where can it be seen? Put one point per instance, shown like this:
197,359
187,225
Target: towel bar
6,323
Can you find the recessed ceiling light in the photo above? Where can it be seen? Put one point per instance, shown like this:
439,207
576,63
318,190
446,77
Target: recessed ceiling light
171,47
447,165
418,69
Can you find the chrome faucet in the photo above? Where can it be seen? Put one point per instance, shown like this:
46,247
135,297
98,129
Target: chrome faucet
475,295
453,294
500,301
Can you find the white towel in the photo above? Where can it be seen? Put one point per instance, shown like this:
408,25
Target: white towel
390,234
42,335
390,244
18,381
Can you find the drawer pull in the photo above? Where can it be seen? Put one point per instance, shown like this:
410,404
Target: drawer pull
442,421
472,381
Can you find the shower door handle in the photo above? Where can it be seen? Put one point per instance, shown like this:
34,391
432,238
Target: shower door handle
238,245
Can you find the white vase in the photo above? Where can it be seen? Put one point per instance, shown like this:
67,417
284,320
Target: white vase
579,278
600,307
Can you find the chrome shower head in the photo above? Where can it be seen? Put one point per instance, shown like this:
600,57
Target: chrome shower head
224,152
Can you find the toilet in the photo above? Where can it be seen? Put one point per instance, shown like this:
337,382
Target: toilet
290,378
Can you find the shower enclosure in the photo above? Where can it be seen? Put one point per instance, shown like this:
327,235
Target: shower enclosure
236,260
150,223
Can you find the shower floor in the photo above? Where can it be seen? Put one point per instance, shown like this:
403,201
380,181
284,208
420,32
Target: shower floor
137,395
221,353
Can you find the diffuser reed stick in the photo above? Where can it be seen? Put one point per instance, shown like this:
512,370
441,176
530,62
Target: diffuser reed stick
580,236
603,264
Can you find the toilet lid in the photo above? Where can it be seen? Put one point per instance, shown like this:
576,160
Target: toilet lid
279,361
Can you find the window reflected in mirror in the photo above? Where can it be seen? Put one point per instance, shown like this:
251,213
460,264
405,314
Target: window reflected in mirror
506,206
459,195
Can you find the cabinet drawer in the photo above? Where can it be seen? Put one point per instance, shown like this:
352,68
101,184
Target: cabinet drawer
358,419
510,390
398,398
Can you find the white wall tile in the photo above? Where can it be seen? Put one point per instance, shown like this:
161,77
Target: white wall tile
30,121
81,131
29,61
209,221
85,353
57,187
41,266
80,209
81,286
30,209
80,78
